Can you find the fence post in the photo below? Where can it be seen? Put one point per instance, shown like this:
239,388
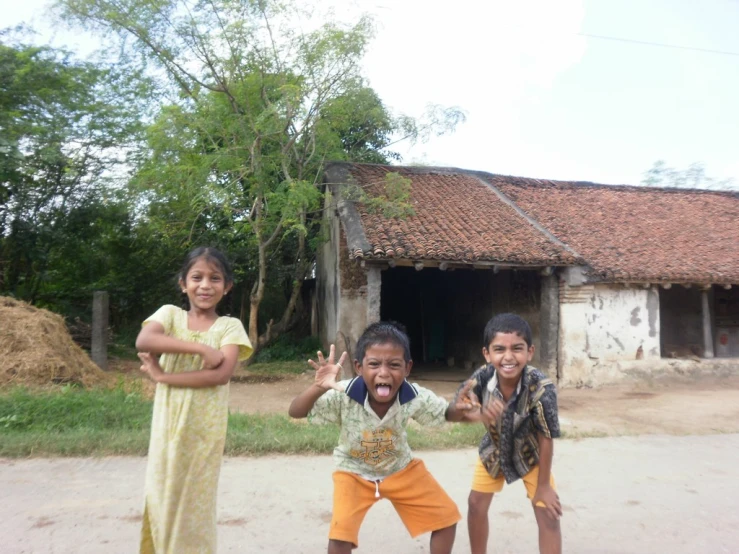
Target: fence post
99,348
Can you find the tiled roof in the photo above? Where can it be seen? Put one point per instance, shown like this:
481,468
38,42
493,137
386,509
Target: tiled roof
641,234
458,218
622,233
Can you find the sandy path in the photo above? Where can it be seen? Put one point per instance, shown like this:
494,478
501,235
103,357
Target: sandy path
650,494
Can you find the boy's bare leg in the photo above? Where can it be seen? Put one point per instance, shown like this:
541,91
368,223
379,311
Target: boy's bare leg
478,526
550,534
339,547
442,540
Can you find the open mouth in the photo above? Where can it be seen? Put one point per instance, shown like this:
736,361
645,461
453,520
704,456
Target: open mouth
383,391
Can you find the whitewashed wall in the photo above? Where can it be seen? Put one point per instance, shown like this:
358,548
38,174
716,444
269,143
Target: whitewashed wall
604,324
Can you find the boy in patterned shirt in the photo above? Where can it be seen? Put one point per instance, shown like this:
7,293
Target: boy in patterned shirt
518,406
373,459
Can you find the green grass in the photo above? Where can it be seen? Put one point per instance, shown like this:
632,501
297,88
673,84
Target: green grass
275,368
287,348
71,421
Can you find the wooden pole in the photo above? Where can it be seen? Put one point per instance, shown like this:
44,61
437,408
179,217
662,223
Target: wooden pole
99,348
707,332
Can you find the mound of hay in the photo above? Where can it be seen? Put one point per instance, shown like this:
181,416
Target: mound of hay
37,349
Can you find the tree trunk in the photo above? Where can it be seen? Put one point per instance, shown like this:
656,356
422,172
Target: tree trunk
255,299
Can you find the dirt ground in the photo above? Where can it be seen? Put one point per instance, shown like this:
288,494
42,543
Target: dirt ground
654,494
651,493
675,406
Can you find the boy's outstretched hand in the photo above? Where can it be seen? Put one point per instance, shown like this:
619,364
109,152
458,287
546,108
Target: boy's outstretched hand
466,400
548,496
327,371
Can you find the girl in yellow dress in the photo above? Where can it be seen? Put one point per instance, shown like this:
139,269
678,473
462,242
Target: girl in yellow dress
199,352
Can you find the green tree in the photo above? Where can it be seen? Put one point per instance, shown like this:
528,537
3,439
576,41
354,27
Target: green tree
260,106
64,128
694,177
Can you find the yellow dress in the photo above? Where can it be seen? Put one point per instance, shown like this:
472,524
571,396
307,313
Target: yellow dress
188,433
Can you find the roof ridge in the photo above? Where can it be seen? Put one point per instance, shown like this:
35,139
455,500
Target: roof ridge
535,181
538,226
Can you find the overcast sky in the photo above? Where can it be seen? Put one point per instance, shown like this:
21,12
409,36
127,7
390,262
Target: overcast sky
545,98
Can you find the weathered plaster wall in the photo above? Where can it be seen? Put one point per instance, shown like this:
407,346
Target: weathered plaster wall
352,306
603,324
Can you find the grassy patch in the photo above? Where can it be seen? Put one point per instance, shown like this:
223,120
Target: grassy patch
274,369
256,434
287,348
72,408
70,421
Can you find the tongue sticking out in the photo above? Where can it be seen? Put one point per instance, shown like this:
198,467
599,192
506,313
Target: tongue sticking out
383,390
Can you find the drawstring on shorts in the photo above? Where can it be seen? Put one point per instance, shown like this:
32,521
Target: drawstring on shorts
377,489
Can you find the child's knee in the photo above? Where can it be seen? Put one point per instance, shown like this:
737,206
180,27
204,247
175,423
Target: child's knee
478,503
546,522
446,530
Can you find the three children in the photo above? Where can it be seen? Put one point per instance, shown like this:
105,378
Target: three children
516,403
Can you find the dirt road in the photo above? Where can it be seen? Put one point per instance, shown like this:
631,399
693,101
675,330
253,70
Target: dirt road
675,407
650,494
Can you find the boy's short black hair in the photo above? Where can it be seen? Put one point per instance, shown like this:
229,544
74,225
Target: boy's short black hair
384,332
507,323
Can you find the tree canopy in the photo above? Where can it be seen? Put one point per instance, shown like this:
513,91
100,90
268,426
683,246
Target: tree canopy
694,176
210,124
64,126
257,106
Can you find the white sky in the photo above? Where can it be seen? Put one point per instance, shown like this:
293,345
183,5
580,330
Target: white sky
541,99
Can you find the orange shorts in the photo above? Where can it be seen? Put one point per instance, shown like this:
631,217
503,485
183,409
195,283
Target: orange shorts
482,482
419,500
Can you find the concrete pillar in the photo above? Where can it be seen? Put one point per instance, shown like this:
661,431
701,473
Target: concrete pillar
374,284
99,349
549,325
707,327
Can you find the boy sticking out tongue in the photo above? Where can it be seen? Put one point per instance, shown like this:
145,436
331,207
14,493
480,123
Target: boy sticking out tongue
373,459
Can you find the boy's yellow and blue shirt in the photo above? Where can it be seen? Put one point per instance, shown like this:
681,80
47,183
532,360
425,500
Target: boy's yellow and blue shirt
371,447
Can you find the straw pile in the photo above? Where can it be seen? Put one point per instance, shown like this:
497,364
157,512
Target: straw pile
37,349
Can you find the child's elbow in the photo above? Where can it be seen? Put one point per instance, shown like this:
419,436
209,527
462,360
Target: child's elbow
295,412
143,344
222,377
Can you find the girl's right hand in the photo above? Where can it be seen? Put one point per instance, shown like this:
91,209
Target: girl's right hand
212,358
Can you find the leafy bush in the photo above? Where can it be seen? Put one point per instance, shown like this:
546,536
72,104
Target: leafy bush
287,348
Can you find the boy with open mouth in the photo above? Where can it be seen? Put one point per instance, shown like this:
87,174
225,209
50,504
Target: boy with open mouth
373,459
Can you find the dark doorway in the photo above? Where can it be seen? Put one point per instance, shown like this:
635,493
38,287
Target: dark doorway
680,322
445,312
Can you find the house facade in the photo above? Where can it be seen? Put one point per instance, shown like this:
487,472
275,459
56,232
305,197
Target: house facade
613,279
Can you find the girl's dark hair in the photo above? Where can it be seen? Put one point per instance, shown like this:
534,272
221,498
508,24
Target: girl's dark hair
507,323
384,332
212,256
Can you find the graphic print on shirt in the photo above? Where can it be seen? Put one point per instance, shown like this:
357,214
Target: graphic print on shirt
377,446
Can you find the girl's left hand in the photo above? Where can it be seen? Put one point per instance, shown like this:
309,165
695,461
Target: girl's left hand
150,365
